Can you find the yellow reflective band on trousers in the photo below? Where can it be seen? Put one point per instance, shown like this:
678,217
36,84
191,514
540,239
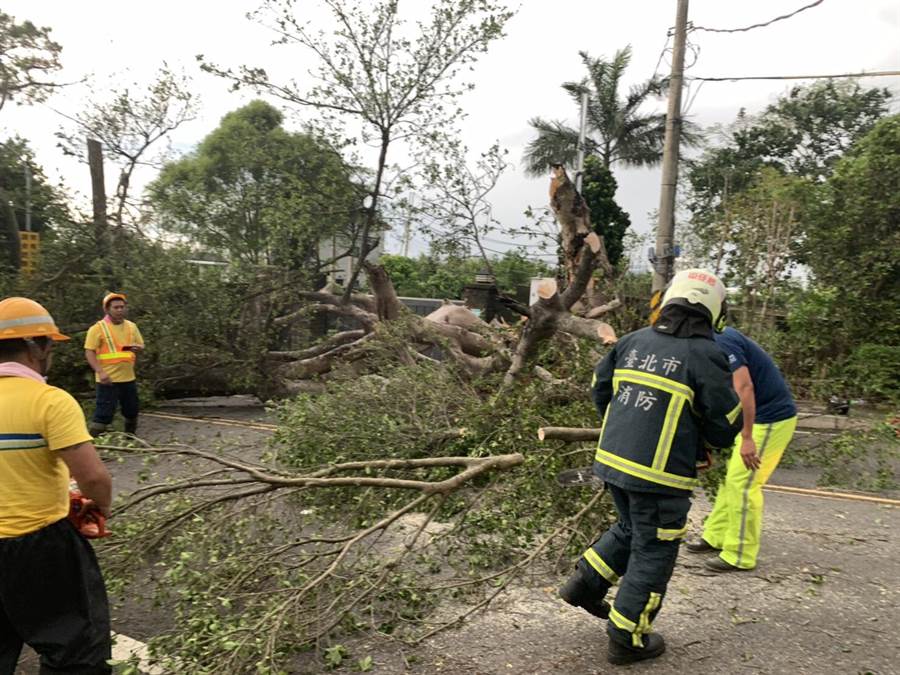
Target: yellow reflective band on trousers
735,524
645,472
604,570
620,621
643,626
664,534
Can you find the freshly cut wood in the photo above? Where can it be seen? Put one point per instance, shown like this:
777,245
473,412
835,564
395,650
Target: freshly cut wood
594,312
387,305
568,434
545,313
471,343
456,315
572,214
588,328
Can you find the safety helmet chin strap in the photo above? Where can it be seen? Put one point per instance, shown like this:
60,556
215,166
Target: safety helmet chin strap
722,320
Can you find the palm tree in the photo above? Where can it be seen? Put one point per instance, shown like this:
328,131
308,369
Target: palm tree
616,129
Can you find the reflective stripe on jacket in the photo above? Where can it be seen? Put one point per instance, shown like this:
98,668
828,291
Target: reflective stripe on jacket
663,399
110,351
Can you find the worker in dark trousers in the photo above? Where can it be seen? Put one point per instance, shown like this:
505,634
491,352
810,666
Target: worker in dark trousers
52,595
664,394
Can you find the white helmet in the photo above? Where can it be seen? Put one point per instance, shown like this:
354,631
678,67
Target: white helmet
699,287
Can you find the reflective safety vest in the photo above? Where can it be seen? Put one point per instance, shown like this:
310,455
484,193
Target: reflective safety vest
110,351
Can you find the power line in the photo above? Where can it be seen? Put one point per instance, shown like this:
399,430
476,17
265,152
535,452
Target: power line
874,73
758,25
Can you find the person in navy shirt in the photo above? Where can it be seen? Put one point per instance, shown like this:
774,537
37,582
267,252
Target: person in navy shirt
734,527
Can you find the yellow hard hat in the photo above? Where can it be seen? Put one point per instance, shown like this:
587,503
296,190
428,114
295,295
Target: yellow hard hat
109,297
699,287
24,318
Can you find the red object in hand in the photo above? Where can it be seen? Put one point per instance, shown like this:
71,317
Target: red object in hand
86,517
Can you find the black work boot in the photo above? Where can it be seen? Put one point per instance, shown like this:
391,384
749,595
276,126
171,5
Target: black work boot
577,593
620,655
96,429
700,546
131,426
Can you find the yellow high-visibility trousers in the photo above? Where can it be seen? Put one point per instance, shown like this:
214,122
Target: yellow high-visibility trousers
735,524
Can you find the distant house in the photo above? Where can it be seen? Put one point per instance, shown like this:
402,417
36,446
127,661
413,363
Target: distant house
340,270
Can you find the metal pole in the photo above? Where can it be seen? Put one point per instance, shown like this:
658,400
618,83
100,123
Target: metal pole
27,197
665,231
582,135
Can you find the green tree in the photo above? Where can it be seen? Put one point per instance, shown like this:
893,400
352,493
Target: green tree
44,202
607,217
445,276
617,129
763,227
851,245
129,126
27,58
808,130
398,84
258,193
803,133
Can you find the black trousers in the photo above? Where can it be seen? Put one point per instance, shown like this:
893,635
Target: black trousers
53,598
639,553
109,396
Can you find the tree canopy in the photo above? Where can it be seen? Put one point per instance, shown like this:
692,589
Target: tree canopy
607,217
852,243
258,193
28,57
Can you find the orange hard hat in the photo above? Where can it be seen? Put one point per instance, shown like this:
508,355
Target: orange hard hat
24,318
109,297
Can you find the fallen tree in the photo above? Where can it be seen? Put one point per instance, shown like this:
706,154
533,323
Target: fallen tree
390,488
456,335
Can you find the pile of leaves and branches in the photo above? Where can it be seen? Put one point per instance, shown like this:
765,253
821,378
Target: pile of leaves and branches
398,502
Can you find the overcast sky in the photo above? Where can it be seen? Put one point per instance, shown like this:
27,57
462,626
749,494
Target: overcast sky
122,41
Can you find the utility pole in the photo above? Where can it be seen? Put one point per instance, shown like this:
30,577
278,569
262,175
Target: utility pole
407,235
664,259
27,197
582,135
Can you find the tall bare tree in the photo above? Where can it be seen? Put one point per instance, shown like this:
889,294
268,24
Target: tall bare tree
400,84
130,128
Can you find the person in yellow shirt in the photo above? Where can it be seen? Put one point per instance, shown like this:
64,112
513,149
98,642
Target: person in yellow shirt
52,595
111,347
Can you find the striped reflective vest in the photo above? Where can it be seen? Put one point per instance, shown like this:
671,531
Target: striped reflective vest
110,351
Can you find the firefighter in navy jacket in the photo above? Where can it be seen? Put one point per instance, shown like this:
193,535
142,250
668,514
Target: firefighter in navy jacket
664,394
